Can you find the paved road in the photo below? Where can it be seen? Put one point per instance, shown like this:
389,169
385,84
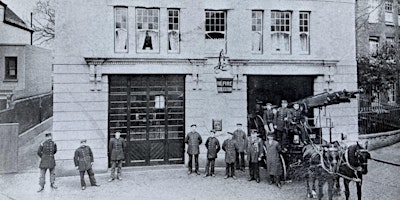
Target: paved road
171,182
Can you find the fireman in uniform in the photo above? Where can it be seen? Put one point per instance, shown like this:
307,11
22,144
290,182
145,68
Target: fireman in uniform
213,147
83,160
281,126
240,137
46,152
117,149
254,150
230,147
193,139
297,118
268,117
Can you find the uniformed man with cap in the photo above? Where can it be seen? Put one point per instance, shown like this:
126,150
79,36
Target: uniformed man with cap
230,147
268,117
213,147
281,126
117,155
297,118
193,140
83,160
254,148
46,152
241,139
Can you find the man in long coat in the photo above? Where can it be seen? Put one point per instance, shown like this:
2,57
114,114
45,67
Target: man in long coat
213,147
117,154
240,137
46,152
193,139
83,160
274,164
230,147
254,150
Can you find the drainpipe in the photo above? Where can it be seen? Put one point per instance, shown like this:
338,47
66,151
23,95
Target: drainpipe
31,27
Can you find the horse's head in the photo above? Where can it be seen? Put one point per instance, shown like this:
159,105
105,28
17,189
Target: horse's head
362,155
332,157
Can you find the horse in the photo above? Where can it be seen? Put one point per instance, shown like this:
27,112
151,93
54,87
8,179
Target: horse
321,163
353,165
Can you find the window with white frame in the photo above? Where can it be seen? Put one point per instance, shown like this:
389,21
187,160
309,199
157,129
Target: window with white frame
304,31
173,30
257,31
120,29
10,68
373,45
147,30
281,31
389,6
215,24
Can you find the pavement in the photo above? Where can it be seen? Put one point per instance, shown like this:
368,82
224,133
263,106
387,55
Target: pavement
172,182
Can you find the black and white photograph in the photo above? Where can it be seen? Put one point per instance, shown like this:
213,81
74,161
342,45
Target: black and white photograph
210,99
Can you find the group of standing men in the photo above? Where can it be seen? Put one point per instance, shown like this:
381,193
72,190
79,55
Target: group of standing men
236,146
83,160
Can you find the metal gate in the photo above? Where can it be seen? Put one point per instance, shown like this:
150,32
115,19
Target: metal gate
148,110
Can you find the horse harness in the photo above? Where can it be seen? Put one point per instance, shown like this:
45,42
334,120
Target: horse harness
355,170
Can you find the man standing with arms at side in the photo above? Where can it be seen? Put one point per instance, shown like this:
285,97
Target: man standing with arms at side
193,139
83,162
281,120
254,147
46,152
213,147
240,137
230,147
117,154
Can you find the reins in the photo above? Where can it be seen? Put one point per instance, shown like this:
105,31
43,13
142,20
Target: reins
386,162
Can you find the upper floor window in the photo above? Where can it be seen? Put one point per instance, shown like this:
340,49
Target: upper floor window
215,24
173,30
11,68
147,30
304,29
120,29
389,6
257,31
281,31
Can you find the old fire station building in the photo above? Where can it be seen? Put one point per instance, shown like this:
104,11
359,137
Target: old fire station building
150,69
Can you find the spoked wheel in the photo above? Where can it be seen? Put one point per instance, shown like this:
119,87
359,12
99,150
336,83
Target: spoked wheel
284,174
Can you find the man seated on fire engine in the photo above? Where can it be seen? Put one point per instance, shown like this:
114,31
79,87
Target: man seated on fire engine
297,121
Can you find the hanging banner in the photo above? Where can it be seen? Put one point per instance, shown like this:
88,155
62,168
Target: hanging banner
224,85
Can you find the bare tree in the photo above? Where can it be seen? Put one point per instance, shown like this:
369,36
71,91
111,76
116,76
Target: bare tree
44,21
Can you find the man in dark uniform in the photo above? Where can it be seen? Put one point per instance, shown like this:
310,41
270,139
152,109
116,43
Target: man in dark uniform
83,160
116,147
230,147
282,116
254,150
213,147
46,152
268,117
193,139
240,137
297,118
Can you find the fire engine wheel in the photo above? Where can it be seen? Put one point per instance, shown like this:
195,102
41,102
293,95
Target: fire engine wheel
284,177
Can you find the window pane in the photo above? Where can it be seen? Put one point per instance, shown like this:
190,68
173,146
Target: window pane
120,30
215,24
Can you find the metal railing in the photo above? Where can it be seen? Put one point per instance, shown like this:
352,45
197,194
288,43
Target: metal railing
378,117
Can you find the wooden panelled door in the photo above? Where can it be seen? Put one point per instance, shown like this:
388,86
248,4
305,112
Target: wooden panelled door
148,110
